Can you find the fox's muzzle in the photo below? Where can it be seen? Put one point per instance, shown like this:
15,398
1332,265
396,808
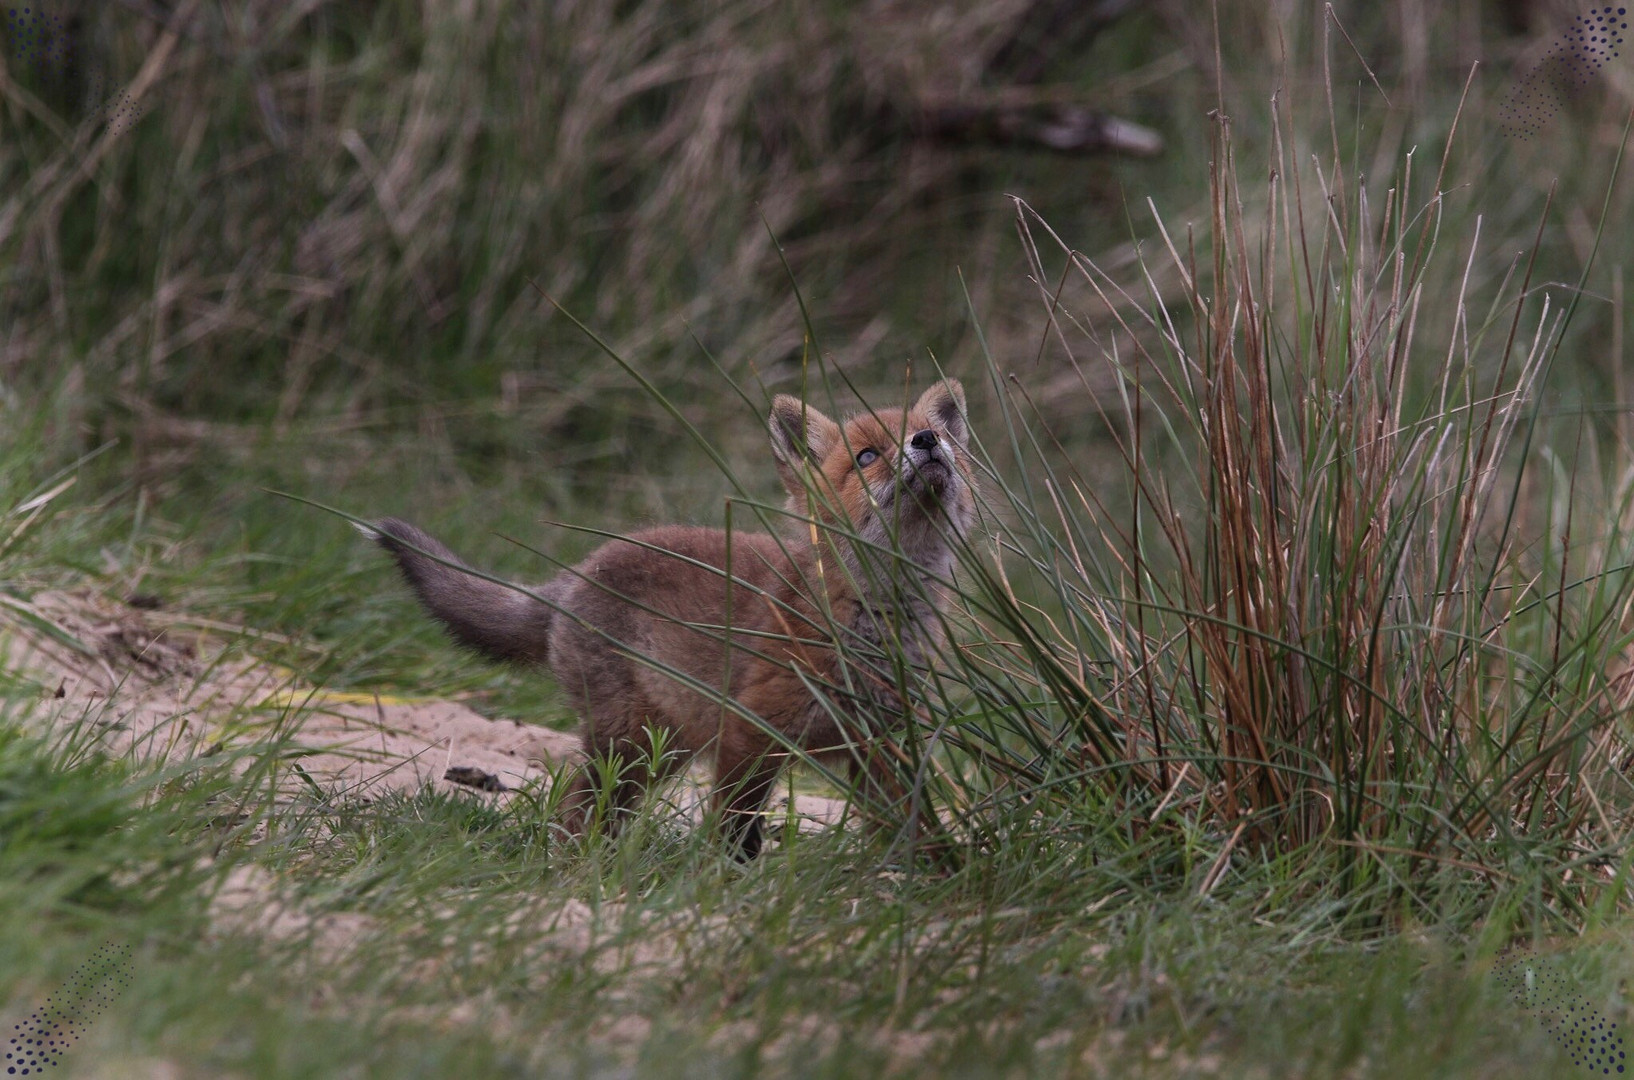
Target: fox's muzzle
925,467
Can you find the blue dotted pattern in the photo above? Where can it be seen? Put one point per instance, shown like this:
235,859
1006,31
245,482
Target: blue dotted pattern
39,1042
43,41
121,110
1588,1036
1567,68
39,38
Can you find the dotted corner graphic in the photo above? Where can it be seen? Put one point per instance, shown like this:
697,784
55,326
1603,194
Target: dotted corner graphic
41,39
1590,1038
39,1042
1567,69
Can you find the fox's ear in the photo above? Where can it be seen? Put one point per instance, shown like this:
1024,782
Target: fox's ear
800,435
945,404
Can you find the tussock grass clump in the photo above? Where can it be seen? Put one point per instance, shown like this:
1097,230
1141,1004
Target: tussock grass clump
1335,607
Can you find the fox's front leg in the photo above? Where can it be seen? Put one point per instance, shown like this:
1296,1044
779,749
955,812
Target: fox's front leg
891,808
746,767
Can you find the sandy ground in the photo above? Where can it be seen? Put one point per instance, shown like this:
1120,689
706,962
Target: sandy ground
159,683
163,684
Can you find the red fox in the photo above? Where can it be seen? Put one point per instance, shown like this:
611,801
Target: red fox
636,633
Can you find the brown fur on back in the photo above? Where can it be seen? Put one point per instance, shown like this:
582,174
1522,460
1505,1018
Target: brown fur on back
637,633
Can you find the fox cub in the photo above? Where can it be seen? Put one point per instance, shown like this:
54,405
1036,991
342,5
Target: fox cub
636,633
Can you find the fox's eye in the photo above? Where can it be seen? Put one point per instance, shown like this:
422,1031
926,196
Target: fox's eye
867,458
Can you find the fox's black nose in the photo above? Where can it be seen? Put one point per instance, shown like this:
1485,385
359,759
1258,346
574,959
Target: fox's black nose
923,440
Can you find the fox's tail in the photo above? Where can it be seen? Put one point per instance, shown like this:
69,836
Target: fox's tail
499,623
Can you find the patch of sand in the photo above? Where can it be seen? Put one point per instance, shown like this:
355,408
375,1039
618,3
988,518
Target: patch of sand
155,683
251,900
149,683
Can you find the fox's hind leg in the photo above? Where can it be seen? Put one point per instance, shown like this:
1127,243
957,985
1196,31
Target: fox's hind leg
578,806
631,781
627,768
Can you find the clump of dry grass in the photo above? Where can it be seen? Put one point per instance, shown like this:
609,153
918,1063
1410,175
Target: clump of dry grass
1334,606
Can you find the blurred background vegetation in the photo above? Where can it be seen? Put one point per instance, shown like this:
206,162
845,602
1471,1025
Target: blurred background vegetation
310,264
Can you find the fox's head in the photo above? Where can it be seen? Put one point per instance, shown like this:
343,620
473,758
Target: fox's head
897,478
